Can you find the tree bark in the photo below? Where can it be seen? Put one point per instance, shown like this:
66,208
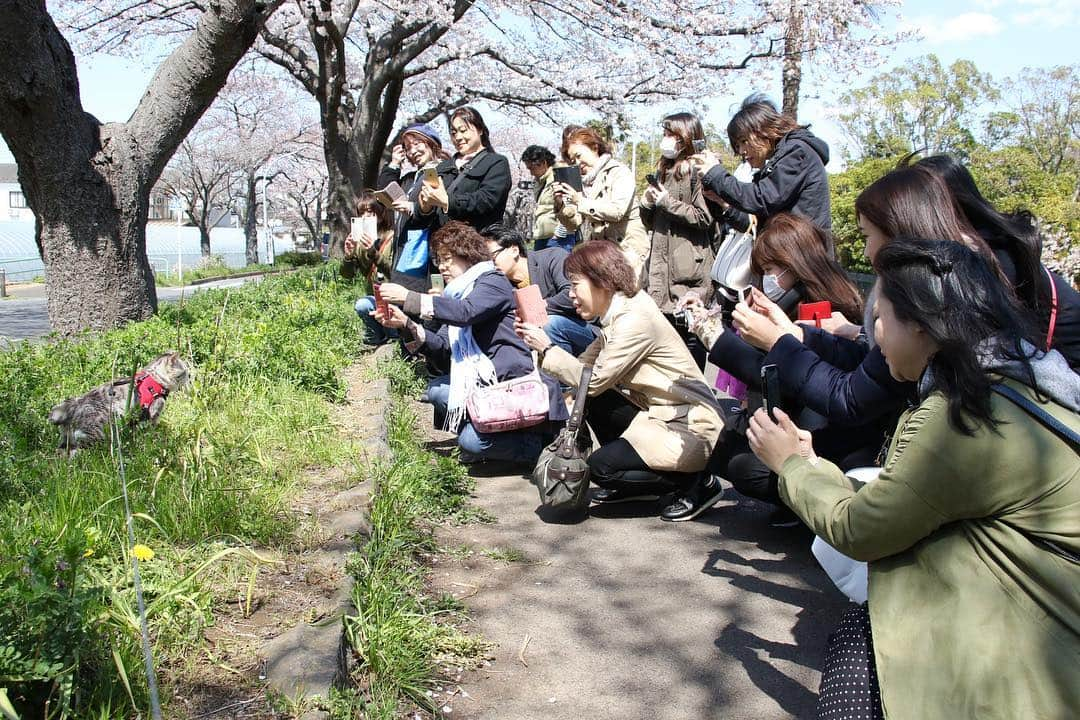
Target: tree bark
792,66
89,184
251,235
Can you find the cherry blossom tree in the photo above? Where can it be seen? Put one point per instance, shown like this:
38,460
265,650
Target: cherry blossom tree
199,175
89,183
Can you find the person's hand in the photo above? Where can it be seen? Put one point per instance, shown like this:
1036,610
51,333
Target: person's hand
775,442
395,317
403,206
350,245
532,335
569,194
393,293
713,197
761,304
434,197
689,301
367,241
397,156
653,196
705,161
838,325
755,328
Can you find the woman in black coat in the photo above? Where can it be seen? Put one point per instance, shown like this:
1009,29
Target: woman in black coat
789,163
413,262
477,194
476,338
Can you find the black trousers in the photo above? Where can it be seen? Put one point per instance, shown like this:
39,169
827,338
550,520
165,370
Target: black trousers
734,461
616,465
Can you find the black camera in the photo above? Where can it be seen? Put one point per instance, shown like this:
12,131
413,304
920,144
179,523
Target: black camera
699,146
681,320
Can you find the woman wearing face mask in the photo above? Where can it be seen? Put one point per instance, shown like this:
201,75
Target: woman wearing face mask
366,255
790,257
605,210
478,193
676,214
412,263
971,532
788,159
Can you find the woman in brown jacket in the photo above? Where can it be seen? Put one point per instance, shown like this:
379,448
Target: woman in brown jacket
649,406
674,210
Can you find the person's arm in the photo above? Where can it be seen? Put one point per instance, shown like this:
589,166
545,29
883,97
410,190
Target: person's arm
544,220
493,191
900,507
631,342
738,358
387,175
620,196
837,351
560,302
730,216
769,194
693,214
489,298
845,398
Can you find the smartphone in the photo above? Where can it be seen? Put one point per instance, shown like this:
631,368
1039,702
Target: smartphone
651,179
570,175
431,175
381,305
815,311
699,146
770,389
437,282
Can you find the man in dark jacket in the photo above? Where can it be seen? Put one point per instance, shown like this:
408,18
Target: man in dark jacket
543,268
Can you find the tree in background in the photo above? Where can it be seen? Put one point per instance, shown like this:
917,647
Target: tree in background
89,183
199,175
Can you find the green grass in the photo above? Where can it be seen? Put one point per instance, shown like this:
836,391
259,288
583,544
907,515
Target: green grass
399,633
214,268
213,479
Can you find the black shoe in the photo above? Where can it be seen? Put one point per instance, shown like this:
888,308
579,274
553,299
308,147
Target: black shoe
783,517
688,507
610,496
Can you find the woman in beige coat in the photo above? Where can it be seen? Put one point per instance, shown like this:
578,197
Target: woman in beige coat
605,210
972,530
649,406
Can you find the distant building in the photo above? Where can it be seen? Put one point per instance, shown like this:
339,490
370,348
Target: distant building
12,201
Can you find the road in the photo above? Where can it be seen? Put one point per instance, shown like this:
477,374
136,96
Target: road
25,315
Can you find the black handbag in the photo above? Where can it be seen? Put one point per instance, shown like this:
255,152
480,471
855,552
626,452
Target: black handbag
561,474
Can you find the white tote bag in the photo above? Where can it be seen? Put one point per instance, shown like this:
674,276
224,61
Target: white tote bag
849,576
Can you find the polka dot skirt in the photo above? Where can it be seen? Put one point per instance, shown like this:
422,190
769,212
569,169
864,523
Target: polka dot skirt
849,684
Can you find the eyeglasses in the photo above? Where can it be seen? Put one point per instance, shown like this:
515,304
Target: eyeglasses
495,253
444,260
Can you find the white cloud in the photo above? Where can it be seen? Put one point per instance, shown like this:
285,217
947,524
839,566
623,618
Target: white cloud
1055,14
963,27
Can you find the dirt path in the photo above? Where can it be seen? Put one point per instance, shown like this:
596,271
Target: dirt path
626,616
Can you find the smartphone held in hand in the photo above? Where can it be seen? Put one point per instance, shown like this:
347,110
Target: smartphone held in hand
816,312
652,180
531,307
770,389
431,175
437,282
380,304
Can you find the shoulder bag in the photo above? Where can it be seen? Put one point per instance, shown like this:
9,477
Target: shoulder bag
509,405
731,268
561,474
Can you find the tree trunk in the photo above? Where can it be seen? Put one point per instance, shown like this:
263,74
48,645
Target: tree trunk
792,68
204,239
251,235
89,184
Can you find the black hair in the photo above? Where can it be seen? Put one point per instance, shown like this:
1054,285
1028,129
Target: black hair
507,237
472,116
957,298
760,121
1014,234
538,153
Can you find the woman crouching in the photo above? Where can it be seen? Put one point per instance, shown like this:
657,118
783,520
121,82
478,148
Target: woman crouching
476,310
649,407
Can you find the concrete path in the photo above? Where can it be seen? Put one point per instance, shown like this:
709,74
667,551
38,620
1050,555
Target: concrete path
24,315
625,616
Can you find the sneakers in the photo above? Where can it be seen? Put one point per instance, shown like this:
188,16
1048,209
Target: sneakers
607,496
783,517
700,499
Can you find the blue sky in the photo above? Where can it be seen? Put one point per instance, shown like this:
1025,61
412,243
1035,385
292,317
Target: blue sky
1000,36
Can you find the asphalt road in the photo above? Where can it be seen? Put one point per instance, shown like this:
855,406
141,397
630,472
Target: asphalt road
25,315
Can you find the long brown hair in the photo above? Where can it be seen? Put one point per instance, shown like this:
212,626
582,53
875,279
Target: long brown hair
793,242
758,123
366,202
687,128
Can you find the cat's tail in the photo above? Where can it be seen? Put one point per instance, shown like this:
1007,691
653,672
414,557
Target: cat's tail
60,414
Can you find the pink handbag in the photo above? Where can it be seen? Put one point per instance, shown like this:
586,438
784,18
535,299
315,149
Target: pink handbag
509,405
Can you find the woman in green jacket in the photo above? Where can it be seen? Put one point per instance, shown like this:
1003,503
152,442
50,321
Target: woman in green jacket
972,530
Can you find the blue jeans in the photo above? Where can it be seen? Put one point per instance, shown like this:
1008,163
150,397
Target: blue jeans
374,332
571,334
512,446
566,243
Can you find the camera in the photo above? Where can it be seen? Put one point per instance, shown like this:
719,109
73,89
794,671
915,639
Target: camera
699,146
682,321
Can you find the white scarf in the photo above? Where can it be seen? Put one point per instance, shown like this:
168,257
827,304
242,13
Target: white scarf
470,368
591,178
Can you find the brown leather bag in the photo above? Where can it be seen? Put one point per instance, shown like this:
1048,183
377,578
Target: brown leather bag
561,474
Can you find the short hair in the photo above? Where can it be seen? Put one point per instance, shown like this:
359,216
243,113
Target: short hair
462,241
366,202
472,116
566,133
538,153
605,266
589,138
507,237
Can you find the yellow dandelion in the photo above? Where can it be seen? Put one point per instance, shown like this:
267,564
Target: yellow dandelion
88,553
142,553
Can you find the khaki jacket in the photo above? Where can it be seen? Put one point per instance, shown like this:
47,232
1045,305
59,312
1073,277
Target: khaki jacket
641,355
608,212
544,219
971,615
682,253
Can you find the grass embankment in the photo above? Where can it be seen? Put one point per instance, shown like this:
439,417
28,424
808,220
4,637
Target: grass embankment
214,268
401,634
212,479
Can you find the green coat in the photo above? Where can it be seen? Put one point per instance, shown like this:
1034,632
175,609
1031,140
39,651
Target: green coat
970,618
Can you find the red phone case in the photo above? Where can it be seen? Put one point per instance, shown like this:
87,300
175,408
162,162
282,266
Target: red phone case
815,311
381,305
531,307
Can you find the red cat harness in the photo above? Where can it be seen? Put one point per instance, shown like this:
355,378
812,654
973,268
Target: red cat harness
148,389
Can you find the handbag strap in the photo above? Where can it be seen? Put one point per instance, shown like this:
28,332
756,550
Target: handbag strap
580,396
1053,308
1057,427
